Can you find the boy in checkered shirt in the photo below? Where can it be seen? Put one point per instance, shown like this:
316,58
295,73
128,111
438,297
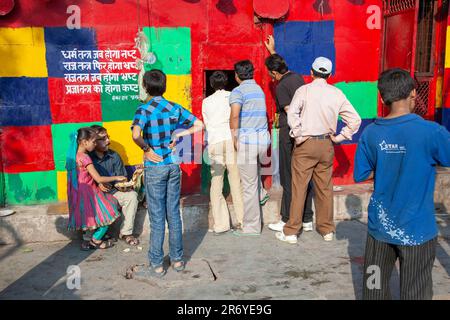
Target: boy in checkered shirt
154,128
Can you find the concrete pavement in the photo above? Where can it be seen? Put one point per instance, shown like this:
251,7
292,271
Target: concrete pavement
219,267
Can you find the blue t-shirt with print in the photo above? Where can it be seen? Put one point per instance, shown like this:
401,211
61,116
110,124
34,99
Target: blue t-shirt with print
402,152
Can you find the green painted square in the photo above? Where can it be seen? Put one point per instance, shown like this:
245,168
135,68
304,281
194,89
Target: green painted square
363,96
119,106
61,140
172,47
31,187
2,189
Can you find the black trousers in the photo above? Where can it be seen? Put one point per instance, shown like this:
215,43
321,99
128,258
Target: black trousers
416,266
286,145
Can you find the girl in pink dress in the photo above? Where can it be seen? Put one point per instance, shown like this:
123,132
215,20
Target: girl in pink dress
89,207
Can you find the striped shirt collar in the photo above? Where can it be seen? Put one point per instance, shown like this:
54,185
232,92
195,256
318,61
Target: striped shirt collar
249,81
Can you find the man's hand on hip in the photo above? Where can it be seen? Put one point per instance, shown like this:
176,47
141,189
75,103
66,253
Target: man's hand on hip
151,156
337,139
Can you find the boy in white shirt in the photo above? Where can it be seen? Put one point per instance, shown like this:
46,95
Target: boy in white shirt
216,116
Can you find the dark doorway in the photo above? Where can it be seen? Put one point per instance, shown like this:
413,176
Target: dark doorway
208,90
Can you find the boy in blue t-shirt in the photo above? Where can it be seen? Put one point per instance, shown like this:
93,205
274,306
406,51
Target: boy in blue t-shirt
400,152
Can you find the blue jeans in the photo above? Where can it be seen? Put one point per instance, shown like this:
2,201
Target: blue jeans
162,185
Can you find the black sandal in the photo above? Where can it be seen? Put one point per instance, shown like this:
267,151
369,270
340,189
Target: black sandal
101,245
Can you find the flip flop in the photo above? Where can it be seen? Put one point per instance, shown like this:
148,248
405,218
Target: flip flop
221,233
264,200
150,272
6,212
181,267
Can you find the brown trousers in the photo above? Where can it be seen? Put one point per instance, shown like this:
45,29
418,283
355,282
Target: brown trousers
312,159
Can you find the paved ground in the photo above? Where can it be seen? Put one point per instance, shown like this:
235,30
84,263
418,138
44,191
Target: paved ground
225,267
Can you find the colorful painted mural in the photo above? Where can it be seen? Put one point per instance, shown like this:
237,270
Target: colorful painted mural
55,79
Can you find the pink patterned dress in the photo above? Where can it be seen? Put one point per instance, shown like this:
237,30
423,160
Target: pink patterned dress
89,207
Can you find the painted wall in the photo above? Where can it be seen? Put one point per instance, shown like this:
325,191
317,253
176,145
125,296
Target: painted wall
39,108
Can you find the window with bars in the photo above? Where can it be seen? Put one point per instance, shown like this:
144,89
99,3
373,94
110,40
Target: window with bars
425,34
397,6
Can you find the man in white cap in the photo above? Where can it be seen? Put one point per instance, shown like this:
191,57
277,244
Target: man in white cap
313,117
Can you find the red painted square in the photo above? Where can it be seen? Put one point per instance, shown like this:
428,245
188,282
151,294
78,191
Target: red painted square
27,149
167,13
191,180
309,10
358,69
67,108
343,164
232,22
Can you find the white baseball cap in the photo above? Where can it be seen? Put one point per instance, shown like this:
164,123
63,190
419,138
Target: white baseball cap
322,65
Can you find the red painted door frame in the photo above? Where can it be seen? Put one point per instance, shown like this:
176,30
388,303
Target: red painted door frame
401,54
438,47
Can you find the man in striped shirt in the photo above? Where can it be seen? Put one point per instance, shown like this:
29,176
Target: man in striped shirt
248,123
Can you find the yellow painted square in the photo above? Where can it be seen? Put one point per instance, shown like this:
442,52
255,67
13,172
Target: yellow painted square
22,52
62,185
122,142
439,83
179,90
447,49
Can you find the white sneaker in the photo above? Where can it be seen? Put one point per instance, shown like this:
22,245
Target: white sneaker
289,239
308,226
277,226
328,236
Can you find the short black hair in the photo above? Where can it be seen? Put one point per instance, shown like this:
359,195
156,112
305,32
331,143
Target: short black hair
218,80
86,133
244,69
320,74
394,85
98,129
275,62
154,82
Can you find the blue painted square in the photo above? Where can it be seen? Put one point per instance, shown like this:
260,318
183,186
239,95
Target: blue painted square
355,138
446,118
24,102
300,42
62,39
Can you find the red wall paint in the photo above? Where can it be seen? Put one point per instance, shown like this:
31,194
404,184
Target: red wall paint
27,149
72,108
344,156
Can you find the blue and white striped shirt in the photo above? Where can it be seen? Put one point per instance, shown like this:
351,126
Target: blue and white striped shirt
253,127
